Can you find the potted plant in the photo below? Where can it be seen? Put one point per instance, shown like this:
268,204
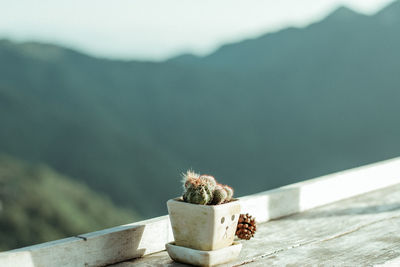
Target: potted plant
204,219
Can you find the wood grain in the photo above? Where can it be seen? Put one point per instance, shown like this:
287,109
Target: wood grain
360,231
146,237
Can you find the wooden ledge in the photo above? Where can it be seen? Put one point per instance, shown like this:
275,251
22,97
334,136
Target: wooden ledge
135,240
358,231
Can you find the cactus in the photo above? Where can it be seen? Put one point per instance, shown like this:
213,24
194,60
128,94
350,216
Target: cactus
198,189
204,190
229,191
209,180
188,178
219,195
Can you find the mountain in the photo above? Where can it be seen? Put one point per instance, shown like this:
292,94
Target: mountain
258,114
38,204
80,115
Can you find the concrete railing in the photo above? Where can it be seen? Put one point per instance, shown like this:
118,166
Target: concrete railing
145,237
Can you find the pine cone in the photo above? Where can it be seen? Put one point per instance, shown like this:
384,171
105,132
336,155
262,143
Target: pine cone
246,227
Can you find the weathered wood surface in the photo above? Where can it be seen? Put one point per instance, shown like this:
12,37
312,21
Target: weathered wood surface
359,231
313,193
142,238
95,249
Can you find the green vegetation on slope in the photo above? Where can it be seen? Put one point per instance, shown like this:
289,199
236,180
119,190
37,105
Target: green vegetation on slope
39,204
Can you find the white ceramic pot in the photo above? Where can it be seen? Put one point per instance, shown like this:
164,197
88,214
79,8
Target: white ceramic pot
203,227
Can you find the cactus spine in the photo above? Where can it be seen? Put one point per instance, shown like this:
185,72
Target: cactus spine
204,190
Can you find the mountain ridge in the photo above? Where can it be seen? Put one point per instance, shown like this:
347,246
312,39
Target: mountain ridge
339,13
288,106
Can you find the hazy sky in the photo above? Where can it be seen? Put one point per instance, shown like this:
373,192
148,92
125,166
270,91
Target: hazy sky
158,29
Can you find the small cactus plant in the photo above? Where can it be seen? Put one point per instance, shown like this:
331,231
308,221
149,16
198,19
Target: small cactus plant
204,189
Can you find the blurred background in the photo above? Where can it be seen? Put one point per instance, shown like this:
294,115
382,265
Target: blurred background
103,104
